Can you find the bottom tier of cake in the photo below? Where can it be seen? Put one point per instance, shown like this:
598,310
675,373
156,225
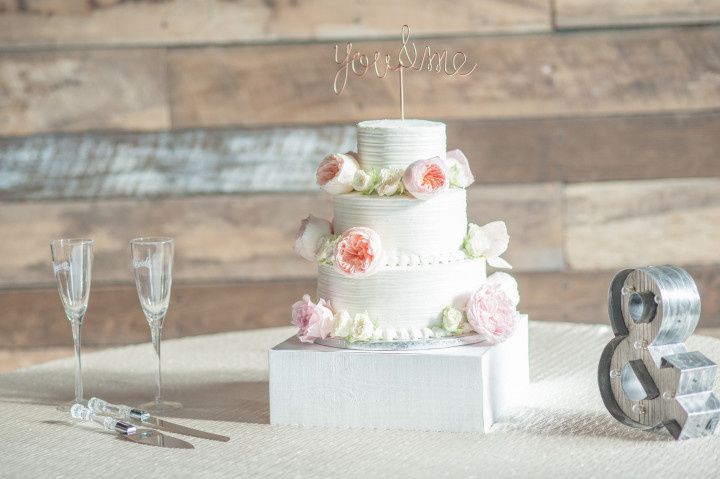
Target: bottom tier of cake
404,302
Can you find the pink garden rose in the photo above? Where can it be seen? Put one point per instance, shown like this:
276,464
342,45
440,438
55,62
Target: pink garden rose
507,284
336,173
492,312
358,252
426,178
311,232
458,169
312,320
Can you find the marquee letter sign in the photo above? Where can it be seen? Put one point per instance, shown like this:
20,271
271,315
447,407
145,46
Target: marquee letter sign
647,377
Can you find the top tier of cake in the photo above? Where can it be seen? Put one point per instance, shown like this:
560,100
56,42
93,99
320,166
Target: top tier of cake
397,143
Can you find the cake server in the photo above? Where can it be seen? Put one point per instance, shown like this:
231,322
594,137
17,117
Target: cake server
148,437
139,416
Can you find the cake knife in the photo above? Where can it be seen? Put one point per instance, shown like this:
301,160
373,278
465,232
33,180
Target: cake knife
139,416
148,437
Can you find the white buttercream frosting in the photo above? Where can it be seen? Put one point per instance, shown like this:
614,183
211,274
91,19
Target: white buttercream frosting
424,268
397,143
412,232
403,301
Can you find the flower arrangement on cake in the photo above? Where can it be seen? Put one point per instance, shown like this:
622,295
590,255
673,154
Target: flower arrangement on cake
399,261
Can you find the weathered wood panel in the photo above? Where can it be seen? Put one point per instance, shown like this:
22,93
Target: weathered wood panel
581,297
221,238
673,145
82,90
626,224
34,317
591,73
528,76
107,165
36,23
240,237
166,163
603,13
533,214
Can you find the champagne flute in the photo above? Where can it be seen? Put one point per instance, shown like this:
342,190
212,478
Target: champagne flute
72,266
152,266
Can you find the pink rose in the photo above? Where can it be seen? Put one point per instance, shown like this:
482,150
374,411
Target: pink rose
491,313
507,284
426,178
336,173
311,232
358,252
458,169
312,320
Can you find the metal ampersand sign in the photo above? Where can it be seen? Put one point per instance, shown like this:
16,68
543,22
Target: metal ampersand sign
647,377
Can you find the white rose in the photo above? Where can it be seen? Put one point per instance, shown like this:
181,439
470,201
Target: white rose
342,324
362,328
489,241
458,169
336,172
362,182
476,242
451,319
390,182
311,233
508,285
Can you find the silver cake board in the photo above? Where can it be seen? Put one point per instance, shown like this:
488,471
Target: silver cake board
458,388
403,345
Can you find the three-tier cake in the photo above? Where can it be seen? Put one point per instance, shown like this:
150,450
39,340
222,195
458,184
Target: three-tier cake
399,261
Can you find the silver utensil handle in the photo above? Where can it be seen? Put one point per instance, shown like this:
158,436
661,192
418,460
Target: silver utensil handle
78,411
100,406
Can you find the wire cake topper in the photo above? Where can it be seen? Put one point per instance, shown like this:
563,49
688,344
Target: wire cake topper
408,58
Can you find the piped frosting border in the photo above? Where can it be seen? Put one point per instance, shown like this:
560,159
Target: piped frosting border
491,311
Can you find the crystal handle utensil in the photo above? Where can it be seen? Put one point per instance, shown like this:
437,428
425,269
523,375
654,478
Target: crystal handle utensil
130,432
78,411
101,406
140,416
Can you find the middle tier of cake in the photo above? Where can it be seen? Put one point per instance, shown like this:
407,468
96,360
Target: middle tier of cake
403,302
412,232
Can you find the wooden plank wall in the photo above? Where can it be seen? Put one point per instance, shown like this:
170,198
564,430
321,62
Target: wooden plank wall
593,127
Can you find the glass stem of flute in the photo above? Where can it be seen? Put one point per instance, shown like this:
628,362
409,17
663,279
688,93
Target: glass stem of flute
156,336
402,94
76,325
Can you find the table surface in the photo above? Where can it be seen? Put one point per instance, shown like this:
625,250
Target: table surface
561,428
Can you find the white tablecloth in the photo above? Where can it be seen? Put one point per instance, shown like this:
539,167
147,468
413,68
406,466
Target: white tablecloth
562,429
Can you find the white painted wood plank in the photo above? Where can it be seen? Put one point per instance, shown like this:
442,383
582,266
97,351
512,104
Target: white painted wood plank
166,164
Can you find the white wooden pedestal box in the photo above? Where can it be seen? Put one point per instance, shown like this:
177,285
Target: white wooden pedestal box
464,388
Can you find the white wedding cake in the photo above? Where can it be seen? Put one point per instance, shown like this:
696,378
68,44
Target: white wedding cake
399,261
